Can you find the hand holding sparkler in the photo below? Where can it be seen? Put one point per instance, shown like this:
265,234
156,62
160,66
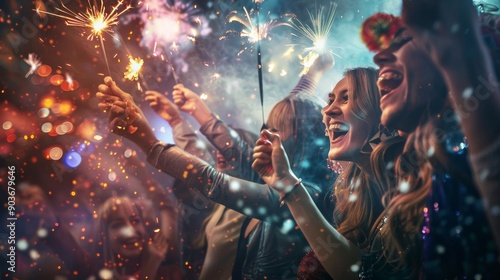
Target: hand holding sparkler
125,117
164,107
317,33
189,102
321,65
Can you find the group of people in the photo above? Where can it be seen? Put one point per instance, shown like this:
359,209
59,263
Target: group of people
415,146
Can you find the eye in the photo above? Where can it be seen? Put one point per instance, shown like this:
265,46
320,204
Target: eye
345,97
116,225
400,41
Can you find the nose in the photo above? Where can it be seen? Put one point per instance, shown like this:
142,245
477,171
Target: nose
332,110
384,57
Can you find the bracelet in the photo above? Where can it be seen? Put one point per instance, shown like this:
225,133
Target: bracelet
285,195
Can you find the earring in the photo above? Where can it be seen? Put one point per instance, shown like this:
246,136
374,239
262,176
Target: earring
335,166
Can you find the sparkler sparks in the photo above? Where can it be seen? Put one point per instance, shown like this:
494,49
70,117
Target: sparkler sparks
133,69
182,18
250,31
95,18
34,62
317,33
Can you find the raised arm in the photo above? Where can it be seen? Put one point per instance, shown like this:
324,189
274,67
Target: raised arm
184,136
450,33
334,251
225,139
252,199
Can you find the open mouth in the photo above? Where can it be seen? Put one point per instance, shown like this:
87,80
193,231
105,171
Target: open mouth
388,81
338,130
130,243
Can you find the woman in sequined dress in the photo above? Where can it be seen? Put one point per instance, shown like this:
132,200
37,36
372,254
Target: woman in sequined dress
441,200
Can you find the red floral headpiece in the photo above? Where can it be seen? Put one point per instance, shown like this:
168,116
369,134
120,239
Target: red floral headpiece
378,31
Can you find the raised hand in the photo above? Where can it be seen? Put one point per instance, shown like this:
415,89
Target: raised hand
125,117
187,100
158,246
271,162
163,107
439,26
322,64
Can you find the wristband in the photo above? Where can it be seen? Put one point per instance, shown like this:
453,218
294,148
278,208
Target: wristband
285,195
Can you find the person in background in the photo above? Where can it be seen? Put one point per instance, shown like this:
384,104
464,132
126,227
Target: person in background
275,247
220,230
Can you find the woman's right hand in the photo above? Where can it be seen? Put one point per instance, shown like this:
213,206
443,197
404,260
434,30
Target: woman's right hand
158,246
163,107
185,99
271,162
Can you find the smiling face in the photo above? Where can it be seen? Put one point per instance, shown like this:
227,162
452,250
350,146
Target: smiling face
409,84
126,231
350,121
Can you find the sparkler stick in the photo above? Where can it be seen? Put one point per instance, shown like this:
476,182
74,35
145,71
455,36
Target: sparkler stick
259,65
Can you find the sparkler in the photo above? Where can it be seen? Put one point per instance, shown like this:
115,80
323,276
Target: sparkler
185,24
95,18
34,62
253,32
318,34
133,69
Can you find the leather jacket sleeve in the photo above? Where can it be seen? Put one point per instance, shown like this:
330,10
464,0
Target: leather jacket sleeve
249,198
236,151
186,139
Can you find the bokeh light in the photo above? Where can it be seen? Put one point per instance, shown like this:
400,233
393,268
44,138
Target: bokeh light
72,159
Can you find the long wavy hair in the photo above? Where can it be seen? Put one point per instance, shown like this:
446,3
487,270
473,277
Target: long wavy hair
359,197
413,170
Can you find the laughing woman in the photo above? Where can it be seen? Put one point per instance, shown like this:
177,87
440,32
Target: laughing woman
440,199
351,118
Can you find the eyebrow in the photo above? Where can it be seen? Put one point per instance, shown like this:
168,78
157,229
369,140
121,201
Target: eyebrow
400,31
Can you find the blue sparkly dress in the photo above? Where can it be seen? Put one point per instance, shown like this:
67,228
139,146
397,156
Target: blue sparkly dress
457,239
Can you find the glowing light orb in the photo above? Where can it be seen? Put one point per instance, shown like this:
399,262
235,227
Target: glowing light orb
72,159
56,153
47,127
7,125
